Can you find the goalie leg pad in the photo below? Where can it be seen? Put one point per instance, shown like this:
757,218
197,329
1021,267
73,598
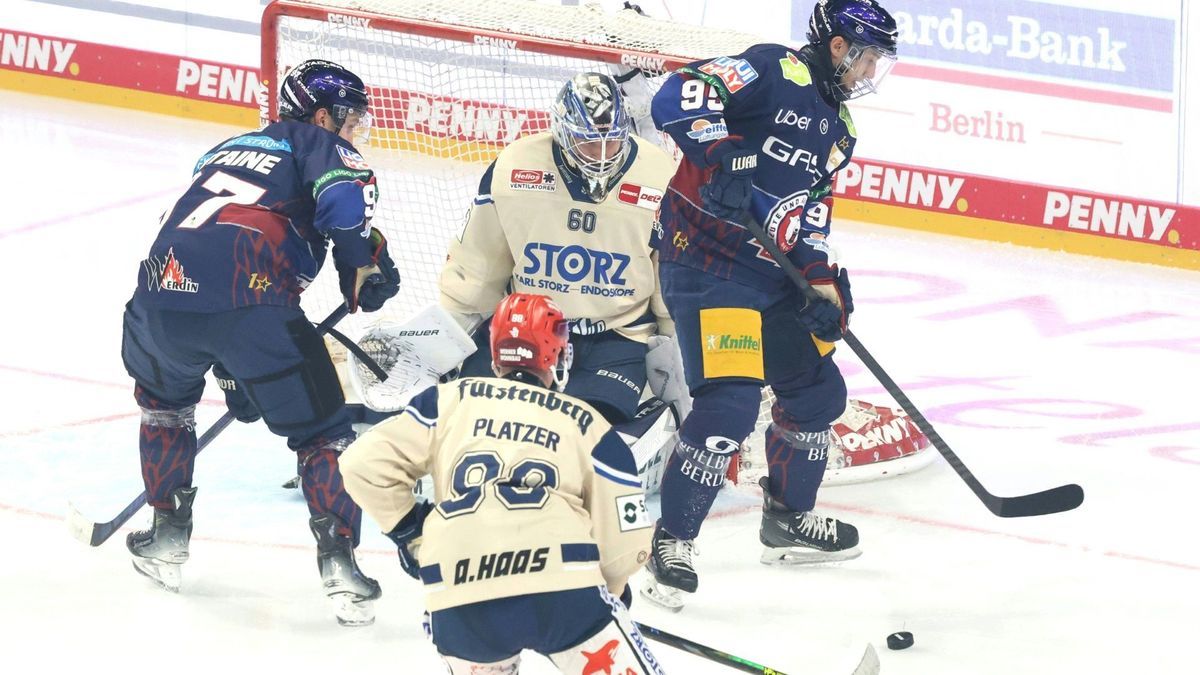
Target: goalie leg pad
609,372
723,415
321,482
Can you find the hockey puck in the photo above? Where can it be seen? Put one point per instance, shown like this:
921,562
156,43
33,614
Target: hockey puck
901,640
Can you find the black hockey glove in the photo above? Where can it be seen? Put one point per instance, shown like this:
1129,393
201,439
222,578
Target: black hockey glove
236,400
369,286
407,533
727,193
826,318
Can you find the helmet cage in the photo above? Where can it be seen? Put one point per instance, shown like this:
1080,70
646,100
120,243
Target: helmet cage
858,62
871,33
316,84
588,115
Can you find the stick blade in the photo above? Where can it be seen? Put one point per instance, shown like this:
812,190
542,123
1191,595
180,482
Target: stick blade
80,527
1054,500
869,665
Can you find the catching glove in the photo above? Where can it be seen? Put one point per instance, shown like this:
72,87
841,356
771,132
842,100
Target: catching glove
407,537
371,285
239,404
728,190
828,317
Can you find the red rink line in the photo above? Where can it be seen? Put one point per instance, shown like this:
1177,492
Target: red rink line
67,218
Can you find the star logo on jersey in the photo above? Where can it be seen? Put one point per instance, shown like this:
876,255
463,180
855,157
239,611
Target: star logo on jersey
600,661
258,282
680,241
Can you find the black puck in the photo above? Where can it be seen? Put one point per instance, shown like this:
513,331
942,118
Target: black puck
901,640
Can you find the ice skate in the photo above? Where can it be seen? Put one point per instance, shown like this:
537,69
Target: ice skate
672,564
351,592
803,538
159,552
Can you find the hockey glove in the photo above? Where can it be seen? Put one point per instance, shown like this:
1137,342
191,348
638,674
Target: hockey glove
371,285
407,536
828,317
727,193
239,404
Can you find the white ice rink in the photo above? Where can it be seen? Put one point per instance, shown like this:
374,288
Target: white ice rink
1038,368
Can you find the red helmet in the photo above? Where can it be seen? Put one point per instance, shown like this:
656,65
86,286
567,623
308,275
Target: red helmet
530,332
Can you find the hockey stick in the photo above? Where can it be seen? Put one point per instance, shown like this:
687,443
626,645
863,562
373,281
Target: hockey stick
1054,500
868,665
94,534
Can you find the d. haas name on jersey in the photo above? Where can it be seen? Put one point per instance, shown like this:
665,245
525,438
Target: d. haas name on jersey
505,563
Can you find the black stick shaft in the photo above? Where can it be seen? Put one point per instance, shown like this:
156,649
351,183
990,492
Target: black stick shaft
704,651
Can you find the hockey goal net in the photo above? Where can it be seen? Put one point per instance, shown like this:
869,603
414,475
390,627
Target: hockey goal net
452,82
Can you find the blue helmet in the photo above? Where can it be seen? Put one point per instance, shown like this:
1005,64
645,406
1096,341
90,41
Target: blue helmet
869,29
317,84
592,127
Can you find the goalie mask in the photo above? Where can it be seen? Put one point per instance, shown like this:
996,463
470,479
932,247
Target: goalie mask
529,332
317,84
871,33
591,127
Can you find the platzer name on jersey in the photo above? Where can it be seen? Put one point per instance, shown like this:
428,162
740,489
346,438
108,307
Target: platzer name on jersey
516,431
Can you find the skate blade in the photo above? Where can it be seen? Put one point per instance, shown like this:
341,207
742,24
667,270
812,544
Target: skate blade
292,483
168,576
351,611
666,597
790,555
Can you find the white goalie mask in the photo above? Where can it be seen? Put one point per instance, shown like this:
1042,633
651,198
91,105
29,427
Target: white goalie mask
591,127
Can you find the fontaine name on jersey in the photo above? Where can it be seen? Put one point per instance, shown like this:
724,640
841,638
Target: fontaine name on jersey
253,226
763,98
534,490
532,225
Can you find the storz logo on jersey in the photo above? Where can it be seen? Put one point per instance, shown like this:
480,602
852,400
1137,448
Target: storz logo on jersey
704,131
574,264
640,195
735,73
530,179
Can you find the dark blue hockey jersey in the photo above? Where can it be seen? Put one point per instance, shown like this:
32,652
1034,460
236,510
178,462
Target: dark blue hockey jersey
253,226
764,98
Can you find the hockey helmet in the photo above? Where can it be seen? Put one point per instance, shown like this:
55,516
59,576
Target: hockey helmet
871,32
316,84
591,127
529,332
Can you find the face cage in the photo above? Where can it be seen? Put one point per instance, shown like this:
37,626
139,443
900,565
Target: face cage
867,85
362,129
596,171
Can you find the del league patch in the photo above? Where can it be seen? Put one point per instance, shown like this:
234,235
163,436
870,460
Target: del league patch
352,159
640,195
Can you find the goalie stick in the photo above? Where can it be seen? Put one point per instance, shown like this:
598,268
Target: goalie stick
94,534
867,665
1054,500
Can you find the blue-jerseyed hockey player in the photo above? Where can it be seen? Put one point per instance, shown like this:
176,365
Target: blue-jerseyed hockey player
220,289
762,134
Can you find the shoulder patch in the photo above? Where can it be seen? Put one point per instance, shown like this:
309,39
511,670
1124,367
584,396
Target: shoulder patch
795,70
733,73
844,114
352,159
532,179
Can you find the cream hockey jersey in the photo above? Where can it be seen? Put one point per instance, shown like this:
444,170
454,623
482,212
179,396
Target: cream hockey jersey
533,226
534,490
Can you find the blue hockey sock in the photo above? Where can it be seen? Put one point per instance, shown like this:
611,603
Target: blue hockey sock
321,482
795,465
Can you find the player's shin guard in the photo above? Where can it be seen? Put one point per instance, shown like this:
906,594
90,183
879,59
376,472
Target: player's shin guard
321,481
167,445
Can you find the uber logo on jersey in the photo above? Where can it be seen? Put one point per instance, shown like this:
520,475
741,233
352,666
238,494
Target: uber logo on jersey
575,263
792,119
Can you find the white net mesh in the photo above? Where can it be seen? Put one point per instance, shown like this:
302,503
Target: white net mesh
445,105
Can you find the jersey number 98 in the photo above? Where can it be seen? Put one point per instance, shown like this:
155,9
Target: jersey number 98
524,487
